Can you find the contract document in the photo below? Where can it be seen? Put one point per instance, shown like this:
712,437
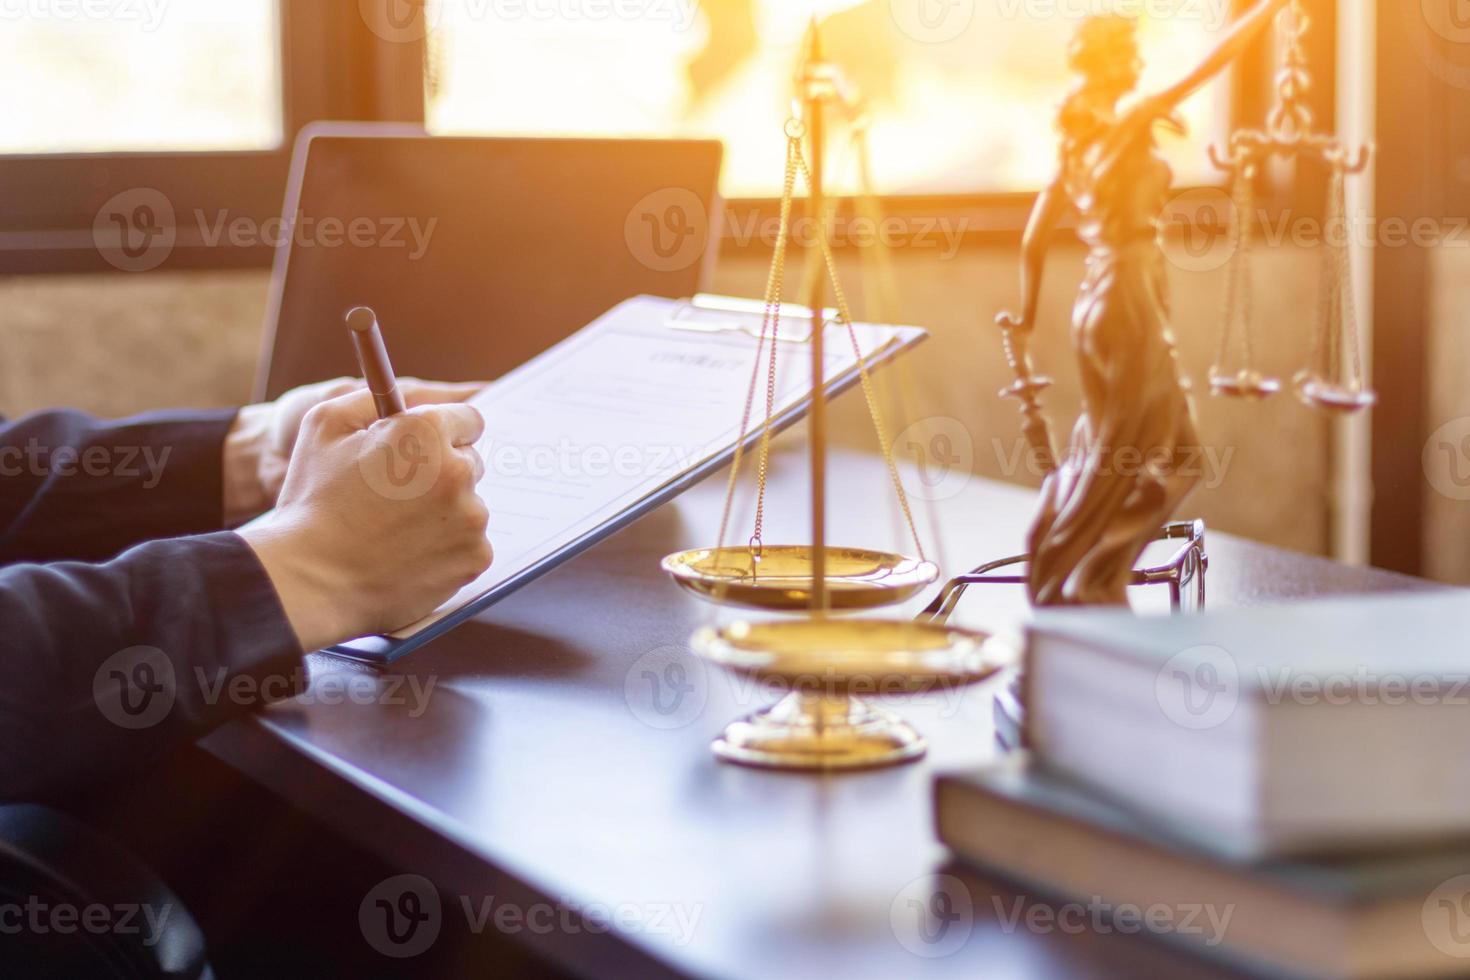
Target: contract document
621,417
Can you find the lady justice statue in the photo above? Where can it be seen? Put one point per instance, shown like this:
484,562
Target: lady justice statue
1121,478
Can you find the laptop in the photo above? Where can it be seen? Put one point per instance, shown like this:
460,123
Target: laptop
478,253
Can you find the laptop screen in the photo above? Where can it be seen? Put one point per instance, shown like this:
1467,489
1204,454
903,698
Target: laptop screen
476,253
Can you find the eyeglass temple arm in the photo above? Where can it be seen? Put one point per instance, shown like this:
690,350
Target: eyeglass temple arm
939,610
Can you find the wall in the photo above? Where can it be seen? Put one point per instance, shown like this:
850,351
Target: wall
117,344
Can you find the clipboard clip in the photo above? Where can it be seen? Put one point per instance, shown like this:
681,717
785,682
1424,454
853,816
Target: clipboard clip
705,313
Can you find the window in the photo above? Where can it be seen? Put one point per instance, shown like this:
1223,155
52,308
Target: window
130,75
197,101
961,94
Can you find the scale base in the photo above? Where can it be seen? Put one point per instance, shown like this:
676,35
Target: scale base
820,732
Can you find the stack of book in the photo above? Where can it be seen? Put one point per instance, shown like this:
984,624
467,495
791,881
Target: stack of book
1285,787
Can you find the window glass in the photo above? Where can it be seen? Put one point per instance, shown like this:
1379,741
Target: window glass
88,76
961,94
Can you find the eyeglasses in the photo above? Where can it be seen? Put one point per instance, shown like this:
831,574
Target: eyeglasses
1184,573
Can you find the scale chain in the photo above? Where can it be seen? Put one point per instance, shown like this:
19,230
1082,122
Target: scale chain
774,281
867,383
771,330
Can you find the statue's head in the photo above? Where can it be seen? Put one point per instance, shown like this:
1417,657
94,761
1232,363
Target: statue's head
1105,52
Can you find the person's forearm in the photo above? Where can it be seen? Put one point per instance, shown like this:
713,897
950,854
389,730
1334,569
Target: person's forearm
75,487
106,668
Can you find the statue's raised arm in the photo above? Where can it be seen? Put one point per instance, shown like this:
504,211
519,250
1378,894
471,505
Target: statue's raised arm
1245,30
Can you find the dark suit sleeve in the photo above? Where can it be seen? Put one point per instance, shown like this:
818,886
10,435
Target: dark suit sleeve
106,668
74,487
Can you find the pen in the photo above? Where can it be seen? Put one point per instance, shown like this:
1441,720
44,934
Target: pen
372,356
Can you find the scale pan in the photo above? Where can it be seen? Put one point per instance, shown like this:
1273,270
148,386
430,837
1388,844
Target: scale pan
1250,385
861,656
1334,398
782,579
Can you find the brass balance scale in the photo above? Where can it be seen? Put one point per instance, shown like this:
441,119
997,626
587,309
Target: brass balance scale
821,658
1333,381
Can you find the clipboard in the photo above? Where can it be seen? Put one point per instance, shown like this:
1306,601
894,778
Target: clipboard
704,314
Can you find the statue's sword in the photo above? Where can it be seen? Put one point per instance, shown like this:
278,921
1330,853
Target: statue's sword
1027,388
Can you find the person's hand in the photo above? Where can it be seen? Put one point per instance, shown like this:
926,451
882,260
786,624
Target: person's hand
377,523
258,447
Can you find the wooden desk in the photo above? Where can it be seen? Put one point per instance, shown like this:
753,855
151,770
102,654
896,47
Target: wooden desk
541,771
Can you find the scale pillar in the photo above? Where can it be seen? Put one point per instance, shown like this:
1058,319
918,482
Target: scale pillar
817,425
